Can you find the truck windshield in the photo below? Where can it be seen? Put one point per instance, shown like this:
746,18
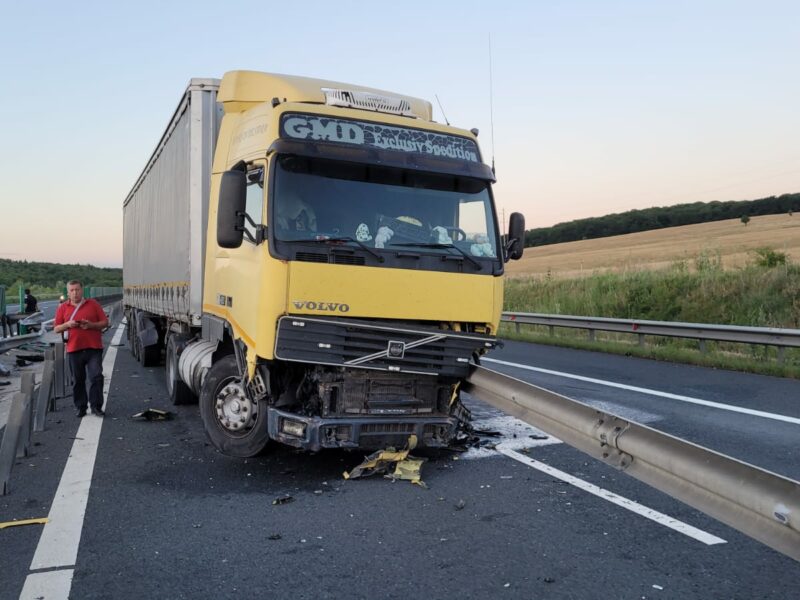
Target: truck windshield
317,199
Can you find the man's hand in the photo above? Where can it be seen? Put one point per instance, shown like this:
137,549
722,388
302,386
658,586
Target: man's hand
65,325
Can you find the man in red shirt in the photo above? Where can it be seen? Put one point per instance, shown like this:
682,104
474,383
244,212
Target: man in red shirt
82,322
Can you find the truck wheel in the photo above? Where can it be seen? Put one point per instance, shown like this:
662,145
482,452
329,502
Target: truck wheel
236,425
179,392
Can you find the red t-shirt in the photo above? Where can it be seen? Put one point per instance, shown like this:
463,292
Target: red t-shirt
81,339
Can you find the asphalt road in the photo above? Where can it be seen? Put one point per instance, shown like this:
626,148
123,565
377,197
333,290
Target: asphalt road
168,517
48,307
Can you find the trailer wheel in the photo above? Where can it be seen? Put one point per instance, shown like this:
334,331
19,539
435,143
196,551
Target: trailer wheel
179,392
236,425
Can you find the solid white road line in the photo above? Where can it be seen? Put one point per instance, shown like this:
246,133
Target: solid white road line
50,585
622,386
649,513
58,545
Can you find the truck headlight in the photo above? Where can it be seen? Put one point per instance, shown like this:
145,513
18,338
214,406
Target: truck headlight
295,428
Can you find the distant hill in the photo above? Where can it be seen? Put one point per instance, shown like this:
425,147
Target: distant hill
660,217
53,275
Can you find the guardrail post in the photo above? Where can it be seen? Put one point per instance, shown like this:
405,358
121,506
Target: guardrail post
68,376
28,383
59,369
45,390
8,449
703,348
27,387
641,340
781,354
63,375
591,334
516,326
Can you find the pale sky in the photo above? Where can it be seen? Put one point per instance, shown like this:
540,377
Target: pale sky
599,107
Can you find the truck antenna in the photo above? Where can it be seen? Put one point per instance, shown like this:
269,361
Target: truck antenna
491,101
441,109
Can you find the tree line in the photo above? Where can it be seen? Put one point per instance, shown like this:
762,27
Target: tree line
659,217
53,275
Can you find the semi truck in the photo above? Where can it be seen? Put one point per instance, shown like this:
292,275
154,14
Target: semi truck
318,264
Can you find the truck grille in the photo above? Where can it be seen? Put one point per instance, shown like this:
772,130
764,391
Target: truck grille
337,259
362,392
385,346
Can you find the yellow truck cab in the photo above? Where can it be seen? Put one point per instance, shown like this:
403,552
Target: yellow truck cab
351,264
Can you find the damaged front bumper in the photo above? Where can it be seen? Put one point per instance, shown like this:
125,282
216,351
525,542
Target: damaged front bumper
315,433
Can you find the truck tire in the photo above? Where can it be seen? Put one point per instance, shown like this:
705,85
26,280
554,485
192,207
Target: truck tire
233,423
179,392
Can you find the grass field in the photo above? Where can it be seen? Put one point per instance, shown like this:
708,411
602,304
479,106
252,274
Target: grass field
730,240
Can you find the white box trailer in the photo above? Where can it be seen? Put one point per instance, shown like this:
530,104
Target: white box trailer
166,213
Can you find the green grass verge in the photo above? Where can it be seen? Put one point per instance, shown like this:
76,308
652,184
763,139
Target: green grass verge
763,294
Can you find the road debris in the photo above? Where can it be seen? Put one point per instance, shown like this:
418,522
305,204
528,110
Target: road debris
409,470
153,414
460,505
31,357
405,467
20,523
283,500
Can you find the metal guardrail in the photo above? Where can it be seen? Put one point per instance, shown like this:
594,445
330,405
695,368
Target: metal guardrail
7,343
29,408
760,504
18,340
30,405
768,336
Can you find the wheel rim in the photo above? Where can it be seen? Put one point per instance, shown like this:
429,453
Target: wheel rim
236,413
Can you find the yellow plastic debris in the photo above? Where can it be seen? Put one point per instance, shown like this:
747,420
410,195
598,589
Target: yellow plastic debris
405,467
41,521
454,395
409,469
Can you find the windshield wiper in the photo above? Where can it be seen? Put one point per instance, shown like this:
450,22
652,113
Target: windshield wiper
323,240
478,265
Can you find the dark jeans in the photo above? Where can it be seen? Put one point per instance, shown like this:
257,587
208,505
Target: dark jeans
87,363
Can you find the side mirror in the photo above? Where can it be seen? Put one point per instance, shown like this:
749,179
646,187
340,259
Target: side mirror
515,243
230,211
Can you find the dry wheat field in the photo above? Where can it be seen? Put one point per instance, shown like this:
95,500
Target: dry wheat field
731,240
